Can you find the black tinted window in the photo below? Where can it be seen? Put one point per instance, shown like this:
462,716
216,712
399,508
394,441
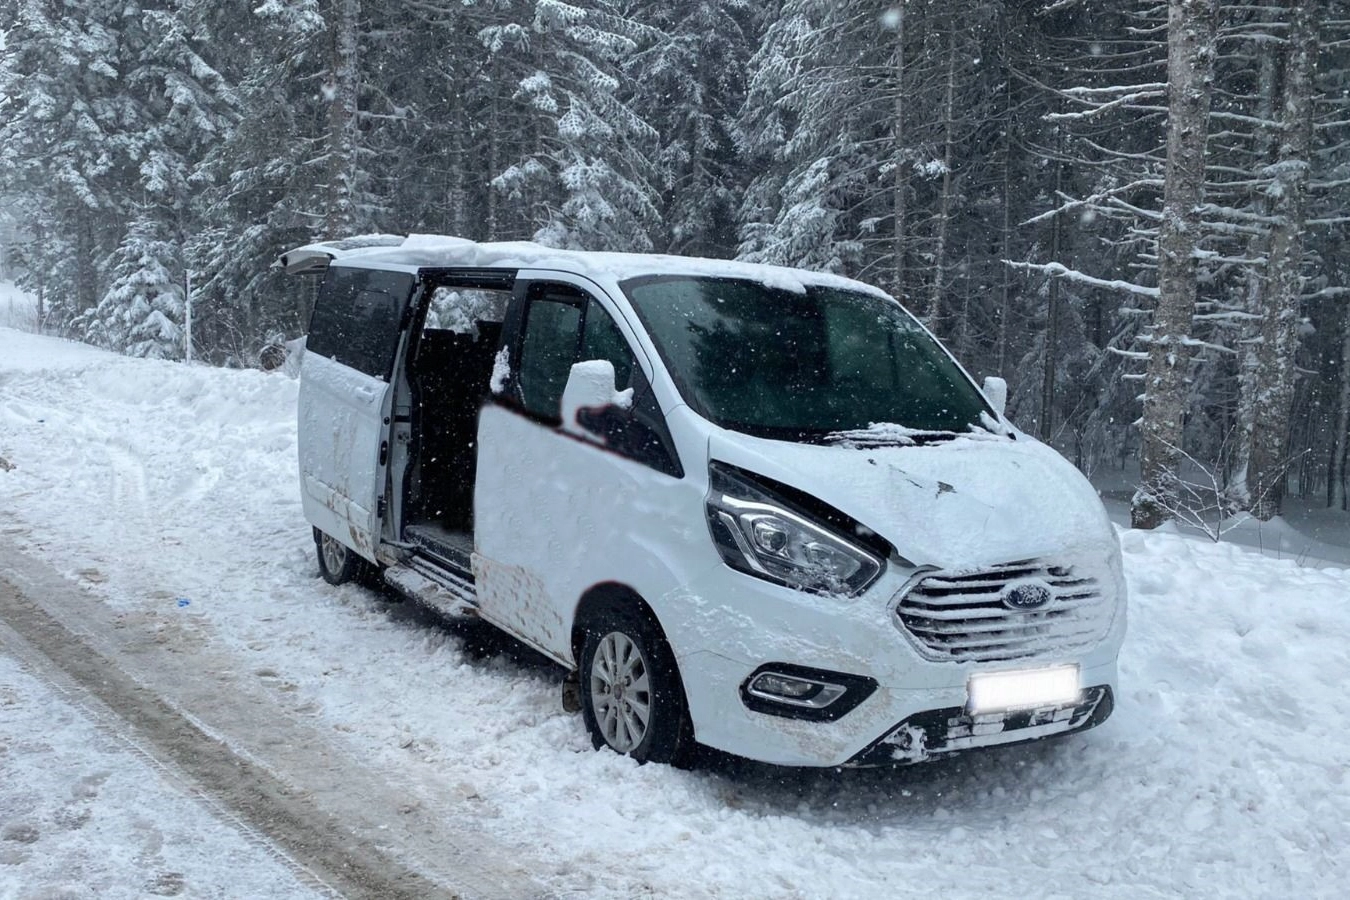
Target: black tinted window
358,316
550,348
603,340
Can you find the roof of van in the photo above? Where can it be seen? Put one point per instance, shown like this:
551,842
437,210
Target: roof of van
424,251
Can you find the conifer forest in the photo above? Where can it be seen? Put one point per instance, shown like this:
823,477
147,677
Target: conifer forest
1135,211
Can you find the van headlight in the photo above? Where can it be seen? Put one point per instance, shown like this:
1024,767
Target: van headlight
763,535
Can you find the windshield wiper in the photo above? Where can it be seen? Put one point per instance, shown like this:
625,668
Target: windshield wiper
887,435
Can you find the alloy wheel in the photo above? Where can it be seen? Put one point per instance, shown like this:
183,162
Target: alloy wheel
334,554
621,691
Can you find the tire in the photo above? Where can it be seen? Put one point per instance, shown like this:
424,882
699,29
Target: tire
338,563
627,667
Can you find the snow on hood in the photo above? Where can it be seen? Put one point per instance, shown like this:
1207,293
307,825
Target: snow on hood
961,504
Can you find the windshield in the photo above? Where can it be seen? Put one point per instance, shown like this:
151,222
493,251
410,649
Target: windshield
826,364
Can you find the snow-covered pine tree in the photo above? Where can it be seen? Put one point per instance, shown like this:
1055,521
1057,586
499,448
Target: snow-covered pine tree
263,185
577,170
142,312
109,109
69,139
871,128
688,84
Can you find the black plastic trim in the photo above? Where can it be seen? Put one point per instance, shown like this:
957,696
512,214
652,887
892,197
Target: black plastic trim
934,720
857,689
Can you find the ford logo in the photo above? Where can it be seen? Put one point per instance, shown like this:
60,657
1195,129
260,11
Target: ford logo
1025,596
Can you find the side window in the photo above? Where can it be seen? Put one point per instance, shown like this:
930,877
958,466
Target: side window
552,328
602,339
358,317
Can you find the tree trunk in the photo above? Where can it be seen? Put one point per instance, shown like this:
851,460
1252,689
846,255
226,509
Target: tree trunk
900,185
38,265
86,269
1276,356
1005,288
343,93
1257,247
945,207
1191,26
492,227
1047,423
1336,472
456,192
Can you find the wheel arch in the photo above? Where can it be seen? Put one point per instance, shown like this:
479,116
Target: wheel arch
611,595
601,596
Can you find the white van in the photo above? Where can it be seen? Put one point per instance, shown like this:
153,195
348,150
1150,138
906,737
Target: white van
755,508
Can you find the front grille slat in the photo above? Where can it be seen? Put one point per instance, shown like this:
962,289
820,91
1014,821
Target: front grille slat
959,627
992,610
960,616
1009,639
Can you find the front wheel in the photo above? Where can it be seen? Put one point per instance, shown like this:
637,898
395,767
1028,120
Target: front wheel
631,697
338,564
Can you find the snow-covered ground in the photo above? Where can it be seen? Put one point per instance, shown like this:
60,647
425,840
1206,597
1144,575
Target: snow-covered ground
1225,770
1308,533
86,813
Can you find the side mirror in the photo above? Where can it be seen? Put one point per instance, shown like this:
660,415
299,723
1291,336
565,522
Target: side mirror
996,392
590,388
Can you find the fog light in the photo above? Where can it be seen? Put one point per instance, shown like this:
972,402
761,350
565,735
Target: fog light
784,686
795,691
801,692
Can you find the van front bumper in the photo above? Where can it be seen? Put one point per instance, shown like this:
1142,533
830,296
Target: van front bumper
726,628
891,726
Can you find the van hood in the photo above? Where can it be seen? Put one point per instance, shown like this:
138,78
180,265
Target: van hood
963,504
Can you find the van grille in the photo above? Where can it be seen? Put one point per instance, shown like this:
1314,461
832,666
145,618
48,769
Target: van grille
961,616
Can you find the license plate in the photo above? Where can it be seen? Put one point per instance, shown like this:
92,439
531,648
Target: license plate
995,691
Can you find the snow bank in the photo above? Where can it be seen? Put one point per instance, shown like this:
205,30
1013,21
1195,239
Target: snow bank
1223,771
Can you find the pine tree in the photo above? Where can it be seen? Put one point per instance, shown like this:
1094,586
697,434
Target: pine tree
687,86
578,168
142,312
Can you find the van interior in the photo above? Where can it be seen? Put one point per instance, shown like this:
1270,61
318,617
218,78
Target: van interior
449,371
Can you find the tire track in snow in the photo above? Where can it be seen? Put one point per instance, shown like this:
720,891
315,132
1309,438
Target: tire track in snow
38,666
316,849
296,821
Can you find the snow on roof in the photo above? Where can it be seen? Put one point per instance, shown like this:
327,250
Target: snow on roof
419,251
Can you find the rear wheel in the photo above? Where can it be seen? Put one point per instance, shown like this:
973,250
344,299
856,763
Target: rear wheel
631,697
338,563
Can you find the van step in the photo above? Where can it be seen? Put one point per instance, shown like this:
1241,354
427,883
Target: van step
449,593
453,548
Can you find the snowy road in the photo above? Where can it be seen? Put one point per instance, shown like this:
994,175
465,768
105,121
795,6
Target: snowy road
274,811
86,810
136,486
